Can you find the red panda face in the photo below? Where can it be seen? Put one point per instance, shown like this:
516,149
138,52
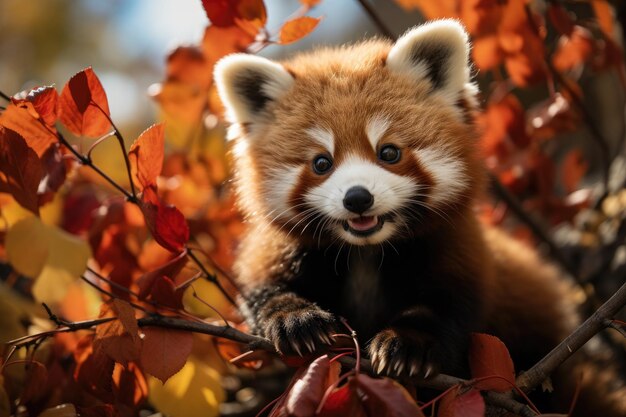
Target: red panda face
365,144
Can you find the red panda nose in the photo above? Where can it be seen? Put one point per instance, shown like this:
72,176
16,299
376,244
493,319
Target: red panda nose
358,199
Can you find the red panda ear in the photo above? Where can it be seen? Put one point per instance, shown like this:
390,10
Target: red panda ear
437,51
247,84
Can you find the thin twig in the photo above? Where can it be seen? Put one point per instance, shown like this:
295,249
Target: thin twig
4,96
593,325
211,277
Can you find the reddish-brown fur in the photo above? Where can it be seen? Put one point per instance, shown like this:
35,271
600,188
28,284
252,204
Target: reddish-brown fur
521,299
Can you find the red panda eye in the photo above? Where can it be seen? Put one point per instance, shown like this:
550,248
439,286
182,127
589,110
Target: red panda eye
389,154
322,164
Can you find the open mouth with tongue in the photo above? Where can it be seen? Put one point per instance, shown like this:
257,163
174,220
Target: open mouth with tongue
364,225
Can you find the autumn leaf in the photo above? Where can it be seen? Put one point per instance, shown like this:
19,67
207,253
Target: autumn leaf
296,29
195,391
84,105
431,9
53,257
489,357
129,385
94,369
166,223
573,50
605,15
35,382
573,169
308,389
165,351
220,12
310,3
55,168
21,117
170,269
343,401
119,338
42,102
467,404
252,12
165,293
146,156
20,170
386,398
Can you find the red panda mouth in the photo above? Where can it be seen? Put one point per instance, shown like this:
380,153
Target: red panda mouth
364,225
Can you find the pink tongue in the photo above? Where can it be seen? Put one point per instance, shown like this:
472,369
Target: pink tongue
363,223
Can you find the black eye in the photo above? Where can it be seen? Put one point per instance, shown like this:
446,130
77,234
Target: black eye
389,154
322,164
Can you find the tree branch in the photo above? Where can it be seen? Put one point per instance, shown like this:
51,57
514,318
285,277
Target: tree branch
593,325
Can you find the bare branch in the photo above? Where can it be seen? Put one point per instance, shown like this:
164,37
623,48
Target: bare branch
594,324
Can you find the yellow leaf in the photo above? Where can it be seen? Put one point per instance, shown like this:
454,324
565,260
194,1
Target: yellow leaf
27,246
209,293
195,391
55,258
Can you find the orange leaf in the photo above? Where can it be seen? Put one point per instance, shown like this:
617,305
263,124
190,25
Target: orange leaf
166,223
44,102
469,404
310,3
94,369
20,170
573,50
431,9
23,119
573,169
489,357
170,269
486,52
296,29
605,15
165,351
146,156
84,105
220,12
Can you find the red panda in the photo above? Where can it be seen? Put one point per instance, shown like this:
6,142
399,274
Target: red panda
357,169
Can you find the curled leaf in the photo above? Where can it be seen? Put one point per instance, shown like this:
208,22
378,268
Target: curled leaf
166,223
146,156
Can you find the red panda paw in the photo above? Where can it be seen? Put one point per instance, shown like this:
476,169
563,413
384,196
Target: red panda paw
404,353
300,332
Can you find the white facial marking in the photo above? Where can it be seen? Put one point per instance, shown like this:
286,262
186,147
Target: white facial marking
390,192
323,137
281,182
448,172
375,130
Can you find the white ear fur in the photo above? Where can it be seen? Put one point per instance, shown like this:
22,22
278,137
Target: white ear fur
437,51
246,83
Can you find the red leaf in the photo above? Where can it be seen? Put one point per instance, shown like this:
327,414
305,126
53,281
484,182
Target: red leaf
220,12
55,171
35,381
170,269
308,389
129,385
469,404
343,401
252,11
119,339
165,351
165,293
560,19
604,13
20,170
146,156
489,357
44,101
296,29
386,398
166,223
94,369
84,105
573,168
